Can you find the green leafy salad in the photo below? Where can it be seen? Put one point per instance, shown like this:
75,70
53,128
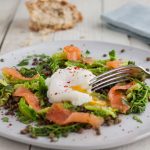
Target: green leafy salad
52,96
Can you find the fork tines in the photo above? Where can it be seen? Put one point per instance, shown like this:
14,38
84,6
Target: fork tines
114,76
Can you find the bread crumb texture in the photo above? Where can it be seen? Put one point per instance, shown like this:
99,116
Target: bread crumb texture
52,15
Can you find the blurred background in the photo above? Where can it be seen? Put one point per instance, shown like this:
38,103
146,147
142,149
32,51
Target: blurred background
14,31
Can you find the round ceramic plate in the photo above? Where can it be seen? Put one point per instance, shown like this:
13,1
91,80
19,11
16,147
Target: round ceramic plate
126,132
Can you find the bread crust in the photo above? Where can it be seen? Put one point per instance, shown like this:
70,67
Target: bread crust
52,14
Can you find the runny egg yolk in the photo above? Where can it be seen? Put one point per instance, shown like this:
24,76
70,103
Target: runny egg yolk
95,100
79,88
98,103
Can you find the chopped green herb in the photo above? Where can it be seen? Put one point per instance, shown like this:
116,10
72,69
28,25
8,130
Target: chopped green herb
60,49
112,55
23,118
28,72
131,63
5,92
5,119
67,105
54,129
87,52
24,62
137,119
137,97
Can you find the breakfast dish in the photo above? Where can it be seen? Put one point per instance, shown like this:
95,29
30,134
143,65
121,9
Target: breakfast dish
52,95
45,94
52,15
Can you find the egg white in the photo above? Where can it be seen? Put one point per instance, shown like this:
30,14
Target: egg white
61,82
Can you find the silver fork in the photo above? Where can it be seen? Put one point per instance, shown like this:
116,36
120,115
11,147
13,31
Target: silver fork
118,75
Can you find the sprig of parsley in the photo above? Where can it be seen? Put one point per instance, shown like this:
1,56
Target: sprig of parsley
137,119
5,119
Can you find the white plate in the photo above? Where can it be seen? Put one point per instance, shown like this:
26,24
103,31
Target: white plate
127,131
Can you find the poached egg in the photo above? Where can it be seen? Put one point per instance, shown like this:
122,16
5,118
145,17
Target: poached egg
70,84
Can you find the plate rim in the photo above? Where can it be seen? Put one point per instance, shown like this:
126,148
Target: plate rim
2,53
27,141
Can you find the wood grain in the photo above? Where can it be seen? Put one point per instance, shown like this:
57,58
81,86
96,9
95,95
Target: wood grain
19,34
6,16
7,12
89,28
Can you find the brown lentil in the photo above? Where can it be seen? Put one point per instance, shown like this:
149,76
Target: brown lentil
10,124
52,137
80,130
148,59
104,55
11,105
35,59
1,60
33,136
98,131
34,63
111,121
24,131
88,126
65,135
122,50
117,120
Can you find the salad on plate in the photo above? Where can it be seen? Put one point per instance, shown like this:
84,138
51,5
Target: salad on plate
52,95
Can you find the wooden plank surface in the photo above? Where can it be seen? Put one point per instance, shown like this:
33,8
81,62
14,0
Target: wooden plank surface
92,28
7,12
6,16
19,34
89,28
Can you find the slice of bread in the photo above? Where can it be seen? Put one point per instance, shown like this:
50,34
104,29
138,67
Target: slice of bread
52,14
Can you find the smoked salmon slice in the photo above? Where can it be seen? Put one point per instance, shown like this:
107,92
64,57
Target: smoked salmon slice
114,64
62,116
30,98
116,97
15,74
72,52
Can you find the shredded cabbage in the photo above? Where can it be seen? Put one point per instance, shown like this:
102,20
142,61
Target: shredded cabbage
102,111
6,91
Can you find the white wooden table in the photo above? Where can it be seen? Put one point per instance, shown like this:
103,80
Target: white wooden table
14,34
